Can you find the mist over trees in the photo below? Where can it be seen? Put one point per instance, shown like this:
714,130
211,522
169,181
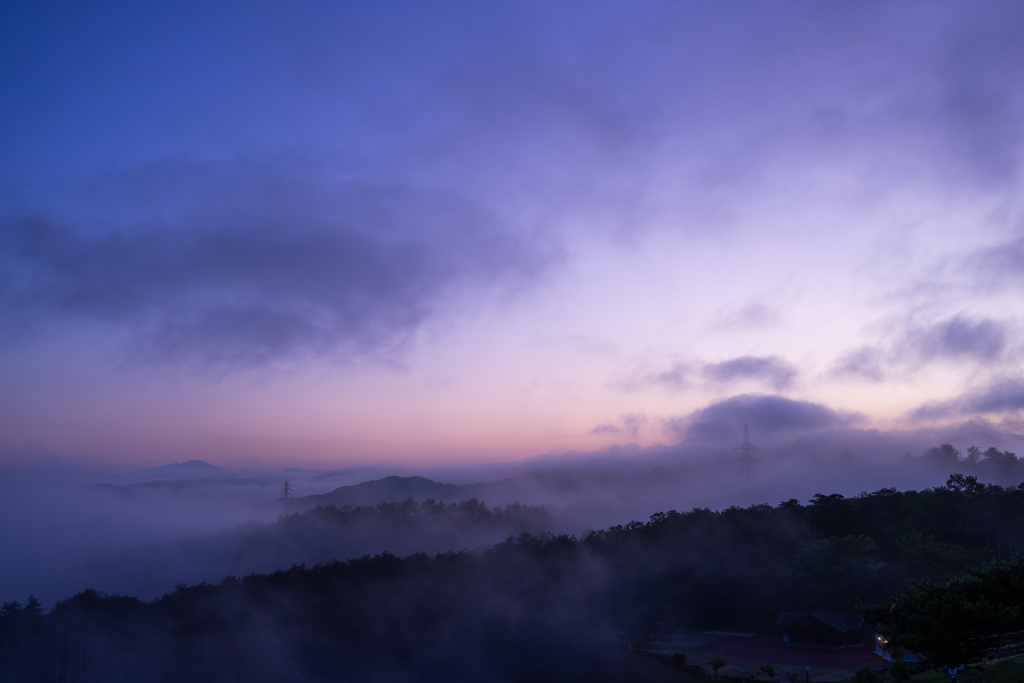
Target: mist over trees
991,464
320,534
141,533
535,606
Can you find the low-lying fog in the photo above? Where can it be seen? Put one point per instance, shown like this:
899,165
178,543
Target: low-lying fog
140,533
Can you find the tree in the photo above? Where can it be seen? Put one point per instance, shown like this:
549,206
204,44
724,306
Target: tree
1005,463
716,664
768,670
866,674
900,670
33,606
958,622
942,456
959,483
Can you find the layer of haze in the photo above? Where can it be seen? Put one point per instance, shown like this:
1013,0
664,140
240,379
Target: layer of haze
424,234
141,533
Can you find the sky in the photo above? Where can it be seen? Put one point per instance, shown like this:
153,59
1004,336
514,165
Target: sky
320,234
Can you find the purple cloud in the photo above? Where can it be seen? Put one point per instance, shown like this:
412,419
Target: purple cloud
676,377
264,278
865,362
606,428
958,338
753,315
1001,397
997,266
763,413
772,370
629,424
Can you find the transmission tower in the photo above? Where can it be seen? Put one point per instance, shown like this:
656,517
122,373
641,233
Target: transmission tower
286,495
746,459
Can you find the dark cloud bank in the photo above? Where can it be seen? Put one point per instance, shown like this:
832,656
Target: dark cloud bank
765,414
282,270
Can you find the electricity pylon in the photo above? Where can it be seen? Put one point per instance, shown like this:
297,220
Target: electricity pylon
286,495
746,459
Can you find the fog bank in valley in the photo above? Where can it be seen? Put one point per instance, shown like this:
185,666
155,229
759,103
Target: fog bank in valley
141,533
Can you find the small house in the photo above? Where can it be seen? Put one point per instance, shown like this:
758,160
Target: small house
830,627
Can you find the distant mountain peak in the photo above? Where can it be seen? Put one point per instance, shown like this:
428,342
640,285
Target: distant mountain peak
190,466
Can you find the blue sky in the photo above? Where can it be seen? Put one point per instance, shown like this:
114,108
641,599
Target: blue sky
360,232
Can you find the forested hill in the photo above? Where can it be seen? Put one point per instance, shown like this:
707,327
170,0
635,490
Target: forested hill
388,489
316,535
533,607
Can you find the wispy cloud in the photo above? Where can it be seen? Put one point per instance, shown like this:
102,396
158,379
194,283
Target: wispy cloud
866,362
959,338
911,346
752,315
629,425
1006,396
678,376
997,267
771,370
265,279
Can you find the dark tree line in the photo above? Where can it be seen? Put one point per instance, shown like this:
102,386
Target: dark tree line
522,610
992,464
532,607
960,621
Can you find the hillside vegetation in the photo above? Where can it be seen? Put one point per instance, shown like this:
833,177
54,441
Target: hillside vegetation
532,607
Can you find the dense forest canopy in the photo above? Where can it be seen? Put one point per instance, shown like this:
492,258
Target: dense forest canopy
320,534
535,606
